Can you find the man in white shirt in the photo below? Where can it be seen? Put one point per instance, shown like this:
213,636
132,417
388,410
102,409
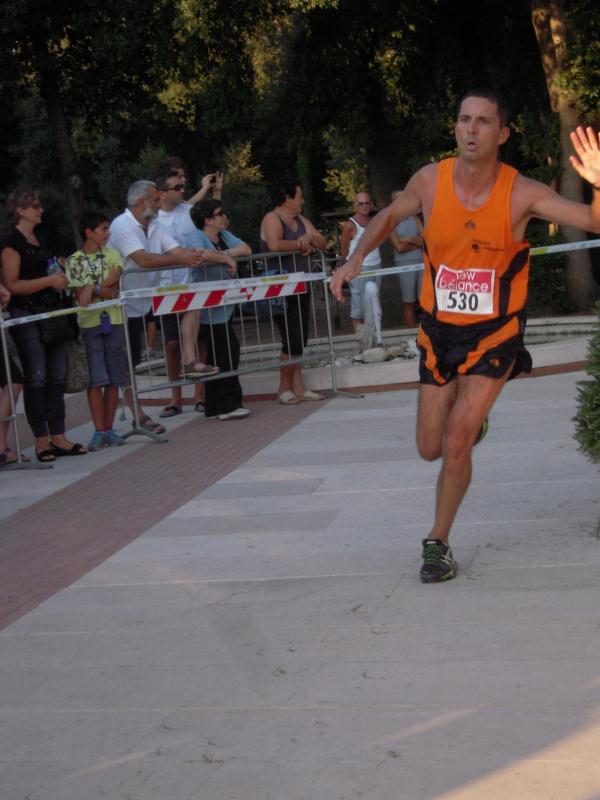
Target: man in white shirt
174,214
145,244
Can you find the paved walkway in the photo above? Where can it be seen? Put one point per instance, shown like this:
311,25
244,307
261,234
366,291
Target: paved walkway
236,615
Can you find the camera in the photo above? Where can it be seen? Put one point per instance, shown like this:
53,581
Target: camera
213,179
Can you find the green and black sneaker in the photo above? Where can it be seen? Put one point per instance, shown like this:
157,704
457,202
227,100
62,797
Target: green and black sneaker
438,562
482,431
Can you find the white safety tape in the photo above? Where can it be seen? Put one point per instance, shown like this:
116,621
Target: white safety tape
59,312
585,244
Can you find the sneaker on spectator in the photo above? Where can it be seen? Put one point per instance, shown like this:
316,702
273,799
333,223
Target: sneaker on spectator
113,438
238,413
98,441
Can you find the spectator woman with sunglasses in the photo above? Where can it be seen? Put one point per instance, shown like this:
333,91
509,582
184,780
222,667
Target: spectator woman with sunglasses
24,257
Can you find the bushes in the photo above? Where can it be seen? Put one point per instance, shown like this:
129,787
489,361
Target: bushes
588,416
547,295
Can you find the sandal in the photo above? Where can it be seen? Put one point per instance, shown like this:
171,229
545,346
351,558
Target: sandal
75,450
169,411
148,424
196,369
288,399
310,395
45,456
5,460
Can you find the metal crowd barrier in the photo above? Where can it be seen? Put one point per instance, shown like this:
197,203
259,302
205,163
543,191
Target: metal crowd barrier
259,317
256,294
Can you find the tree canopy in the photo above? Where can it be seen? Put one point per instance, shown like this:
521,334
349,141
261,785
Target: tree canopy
346,94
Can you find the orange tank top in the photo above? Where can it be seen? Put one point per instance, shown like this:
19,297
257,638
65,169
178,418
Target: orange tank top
474,270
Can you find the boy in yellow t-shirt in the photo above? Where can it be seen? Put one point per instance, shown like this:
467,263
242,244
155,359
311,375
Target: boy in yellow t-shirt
93,272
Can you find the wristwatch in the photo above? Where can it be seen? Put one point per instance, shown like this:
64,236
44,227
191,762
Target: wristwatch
97,289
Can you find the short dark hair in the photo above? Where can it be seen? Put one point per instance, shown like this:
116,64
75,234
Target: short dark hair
283,188
21,197
162,177
494,96
169,164
203,210
90,220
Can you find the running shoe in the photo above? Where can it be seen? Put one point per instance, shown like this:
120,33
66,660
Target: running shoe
98,441
438,562
113,438
482,431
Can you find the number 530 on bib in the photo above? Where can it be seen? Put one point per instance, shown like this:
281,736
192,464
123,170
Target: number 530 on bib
465,291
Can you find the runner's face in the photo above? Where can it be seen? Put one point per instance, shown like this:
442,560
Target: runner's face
478,130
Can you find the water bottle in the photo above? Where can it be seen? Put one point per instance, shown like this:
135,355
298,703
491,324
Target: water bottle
52,267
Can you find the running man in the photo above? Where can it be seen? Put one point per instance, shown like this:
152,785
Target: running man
474,291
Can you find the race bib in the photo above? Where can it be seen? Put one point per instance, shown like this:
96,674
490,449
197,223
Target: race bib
465,291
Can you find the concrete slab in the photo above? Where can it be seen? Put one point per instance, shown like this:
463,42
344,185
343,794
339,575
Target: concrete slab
268,638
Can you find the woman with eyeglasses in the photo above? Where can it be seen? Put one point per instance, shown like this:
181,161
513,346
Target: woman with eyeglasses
24,258
222,396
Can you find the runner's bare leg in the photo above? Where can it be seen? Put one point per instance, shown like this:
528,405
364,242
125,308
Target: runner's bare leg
474,397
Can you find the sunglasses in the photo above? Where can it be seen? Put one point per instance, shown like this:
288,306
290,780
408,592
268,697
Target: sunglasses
177,188
219,214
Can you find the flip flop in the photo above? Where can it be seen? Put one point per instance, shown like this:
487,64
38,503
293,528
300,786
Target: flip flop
148,424
310,395
45,456
196,369
288,399
169,411
5,460
76,450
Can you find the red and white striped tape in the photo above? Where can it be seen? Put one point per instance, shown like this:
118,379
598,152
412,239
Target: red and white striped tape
234,292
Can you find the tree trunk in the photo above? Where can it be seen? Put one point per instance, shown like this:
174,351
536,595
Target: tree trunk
382,157
71,179
551,32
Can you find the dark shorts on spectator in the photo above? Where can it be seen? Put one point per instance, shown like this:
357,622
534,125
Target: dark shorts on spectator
107,356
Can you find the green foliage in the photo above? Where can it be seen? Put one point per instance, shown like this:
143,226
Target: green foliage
587,420
583,62
348,94
244,195
346,166
547,294
539,145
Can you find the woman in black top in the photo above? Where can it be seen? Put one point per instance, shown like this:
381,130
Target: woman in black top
24,260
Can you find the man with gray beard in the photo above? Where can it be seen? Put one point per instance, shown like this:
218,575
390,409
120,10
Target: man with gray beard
144,243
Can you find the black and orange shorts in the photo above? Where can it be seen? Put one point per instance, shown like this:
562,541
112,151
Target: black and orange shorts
484,348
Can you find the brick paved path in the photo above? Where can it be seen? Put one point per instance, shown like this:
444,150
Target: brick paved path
52,543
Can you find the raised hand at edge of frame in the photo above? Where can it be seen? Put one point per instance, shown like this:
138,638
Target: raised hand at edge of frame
586,162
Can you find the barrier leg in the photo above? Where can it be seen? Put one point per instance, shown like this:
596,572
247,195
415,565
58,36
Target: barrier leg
334,386
137,428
